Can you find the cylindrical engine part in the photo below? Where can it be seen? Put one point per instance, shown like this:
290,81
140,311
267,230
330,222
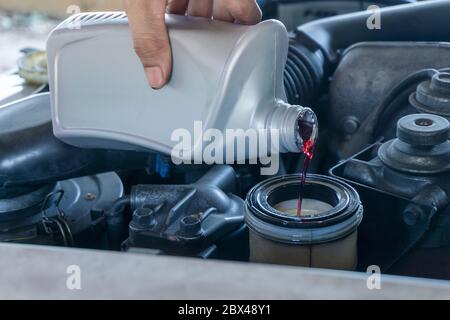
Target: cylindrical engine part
340,254
324,236
422,145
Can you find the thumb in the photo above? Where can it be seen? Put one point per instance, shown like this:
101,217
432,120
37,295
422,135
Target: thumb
150,38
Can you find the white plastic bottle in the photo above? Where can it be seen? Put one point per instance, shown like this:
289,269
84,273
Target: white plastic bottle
225,76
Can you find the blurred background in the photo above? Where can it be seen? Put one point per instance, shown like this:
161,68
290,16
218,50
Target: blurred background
26,23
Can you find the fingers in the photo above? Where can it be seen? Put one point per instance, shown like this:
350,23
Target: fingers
151,41
200,8
177,6
243,11
150,37
221,12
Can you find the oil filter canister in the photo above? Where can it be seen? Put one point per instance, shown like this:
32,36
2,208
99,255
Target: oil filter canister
323,236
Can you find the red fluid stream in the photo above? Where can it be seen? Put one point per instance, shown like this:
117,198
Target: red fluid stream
308,150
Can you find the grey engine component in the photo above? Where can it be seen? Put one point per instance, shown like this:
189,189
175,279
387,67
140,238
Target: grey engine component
404,183
62,213
186,219
364,79
51,192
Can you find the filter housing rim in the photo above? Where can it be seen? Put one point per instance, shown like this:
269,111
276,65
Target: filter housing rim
335,224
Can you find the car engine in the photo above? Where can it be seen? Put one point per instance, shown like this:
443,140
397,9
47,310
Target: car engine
377,184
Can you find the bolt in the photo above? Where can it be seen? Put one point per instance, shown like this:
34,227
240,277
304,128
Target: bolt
90,196
351,124
144,217
190,226
412,215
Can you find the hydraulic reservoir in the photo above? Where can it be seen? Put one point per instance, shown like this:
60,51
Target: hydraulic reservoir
324,235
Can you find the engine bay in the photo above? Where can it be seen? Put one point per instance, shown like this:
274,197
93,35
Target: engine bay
377,185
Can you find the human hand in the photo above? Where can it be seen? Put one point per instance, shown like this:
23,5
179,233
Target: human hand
150,37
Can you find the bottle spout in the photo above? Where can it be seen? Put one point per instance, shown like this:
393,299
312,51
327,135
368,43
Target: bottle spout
295,124
308,128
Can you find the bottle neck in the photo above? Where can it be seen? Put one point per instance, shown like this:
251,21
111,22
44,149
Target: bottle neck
293,123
